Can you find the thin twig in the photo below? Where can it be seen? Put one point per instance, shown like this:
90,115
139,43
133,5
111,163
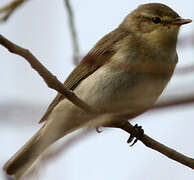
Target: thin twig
53,83
73,32
153,144
10,8
50,80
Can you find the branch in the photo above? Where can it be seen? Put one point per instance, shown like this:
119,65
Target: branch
50,80
10,8
73,32
153,144
53,83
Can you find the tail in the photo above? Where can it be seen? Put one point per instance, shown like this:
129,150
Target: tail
26,156
58,124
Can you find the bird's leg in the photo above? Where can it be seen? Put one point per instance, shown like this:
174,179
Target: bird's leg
135,131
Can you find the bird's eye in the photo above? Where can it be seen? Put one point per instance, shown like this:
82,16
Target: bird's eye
156,20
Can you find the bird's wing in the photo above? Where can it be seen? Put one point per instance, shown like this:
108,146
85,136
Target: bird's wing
99,55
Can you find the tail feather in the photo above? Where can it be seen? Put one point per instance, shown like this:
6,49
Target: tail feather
59,123
26,156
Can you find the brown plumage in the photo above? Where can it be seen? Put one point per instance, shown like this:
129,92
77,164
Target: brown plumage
98,56
122,76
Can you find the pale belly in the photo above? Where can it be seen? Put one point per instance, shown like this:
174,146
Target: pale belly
113,93
121,92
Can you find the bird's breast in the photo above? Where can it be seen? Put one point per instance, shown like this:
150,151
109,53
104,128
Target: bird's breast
121,91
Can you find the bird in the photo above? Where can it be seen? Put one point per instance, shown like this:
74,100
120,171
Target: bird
122,76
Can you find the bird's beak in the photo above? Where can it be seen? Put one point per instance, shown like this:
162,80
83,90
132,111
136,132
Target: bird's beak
180,21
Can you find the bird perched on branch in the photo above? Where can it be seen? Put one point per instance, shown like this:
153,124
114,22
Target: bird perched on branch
122,76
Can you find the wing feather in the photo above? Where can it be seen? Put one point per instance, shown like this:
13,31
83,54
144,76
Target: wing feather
99,55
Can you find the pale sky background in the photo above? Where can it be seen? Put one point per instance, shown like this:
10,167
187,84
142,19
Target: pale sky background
42,27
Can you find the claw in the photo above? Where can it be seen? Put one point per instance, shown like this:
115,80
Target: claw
138,133
131,137
98,130
134,142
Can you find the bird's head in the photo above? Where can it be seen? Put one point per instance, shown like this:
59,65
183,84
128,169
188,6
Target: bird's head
154,21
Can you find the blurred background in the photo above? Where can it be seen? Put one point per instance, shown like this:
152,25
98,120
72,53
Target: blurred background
43,28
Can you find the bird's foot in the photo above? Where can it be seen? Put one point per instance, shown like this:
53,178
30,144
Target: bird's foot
98,130
138,133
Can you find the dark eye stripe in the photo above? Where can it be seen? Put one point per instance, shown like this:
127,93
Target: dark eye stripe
146,18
